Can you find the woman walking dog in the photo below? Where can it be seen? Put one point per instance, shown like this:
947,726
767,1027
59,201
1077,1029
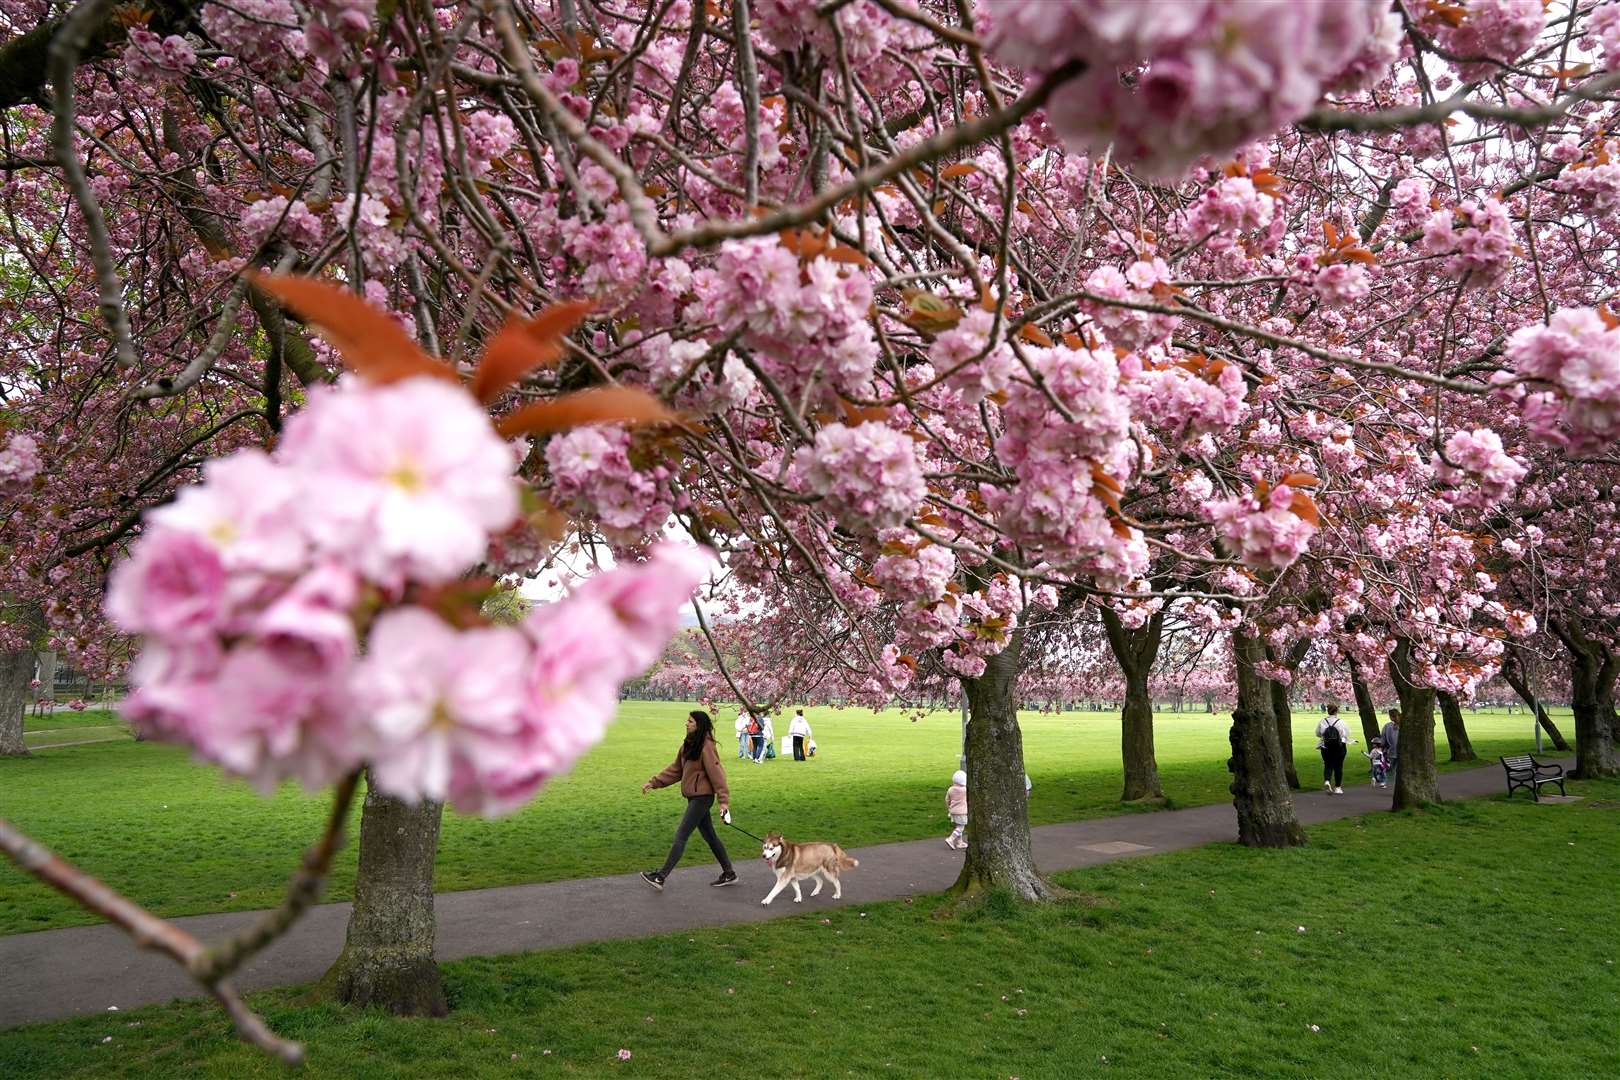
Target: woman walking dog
697,767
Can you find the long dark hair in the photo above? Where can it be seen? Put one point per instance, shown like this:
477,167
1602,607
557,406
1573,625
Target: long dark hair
692,748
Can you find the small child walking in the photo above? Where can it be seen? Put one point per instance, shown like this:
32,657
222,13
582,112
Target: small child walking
1380,763
956,807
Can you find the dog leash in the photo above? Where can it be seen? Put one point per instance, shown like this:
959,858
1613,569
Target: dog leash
727,819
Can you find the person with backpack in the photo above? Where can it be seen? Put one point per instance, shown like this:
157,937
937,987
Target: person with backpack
1333,739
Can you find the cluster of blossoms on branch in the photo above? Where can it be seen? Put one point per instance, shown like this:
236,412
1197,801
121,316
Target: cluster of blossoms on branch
19,464
1197,78
1573,368
306,612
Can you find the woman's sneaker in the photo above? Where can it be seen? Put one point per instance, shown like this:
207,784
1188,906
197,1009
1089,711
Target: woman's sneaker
727,878
653,878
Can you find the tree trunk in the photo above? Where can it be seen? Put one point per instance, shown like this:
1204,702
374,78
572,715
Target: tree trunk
1462,748
1282,715
16,669
1592,675
998,854
387,958
1136,650
1416,783
1366,708
1513,671
1265,809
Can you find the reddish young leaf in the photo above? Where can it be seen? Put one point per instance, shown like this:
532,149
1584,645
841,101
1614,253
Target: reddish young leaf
1035,335
961,168
373,345
607,404
1300,480
522,345
1304,506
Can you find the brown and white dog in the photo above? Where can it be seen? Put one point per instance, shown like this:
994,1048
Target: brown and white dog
794,863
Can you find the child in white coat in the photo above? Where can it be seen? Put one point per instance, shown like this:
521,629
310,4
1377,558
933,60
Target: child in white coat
956,807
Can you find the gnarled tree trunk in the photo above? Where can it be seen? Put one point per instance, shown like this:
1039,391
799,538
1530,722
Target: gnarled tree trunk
1513,671
1592,676
998,854
387,958
1265,808
1416,782
1136,650
1282,710
1457,741
1366,708
16,669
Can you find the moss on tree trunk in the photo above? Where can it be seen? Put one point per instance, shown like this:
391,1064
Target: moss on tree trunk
387,958
1457,740
1136,650
1265,808
1592,677
1417,783
16,669
998,855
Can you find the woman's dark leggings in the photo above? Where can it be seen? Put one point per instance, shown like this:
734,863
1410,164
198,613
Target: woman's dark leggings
1333,764
696,817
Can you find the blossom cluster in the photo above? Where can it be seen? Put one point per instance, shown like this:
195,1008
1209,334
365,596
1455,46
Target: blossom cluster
1577,357
1146,281
1263,530
150,58
1490,33
867,473
1476,240
1182,404
300,616
1479,471
19,464
807,323
1205,76
592,473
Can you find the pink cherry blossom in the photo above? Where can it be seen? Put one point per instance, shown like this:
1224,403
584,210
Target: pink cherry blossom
1264,533
19,464
404,480
443,706
867,473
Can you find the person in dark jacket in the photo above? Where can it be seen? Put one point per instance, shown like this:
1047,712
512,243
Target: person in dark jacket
697,768
1392,742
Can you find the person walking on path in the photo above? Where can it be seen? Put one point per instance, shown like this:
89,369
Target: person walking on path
1392,739
1333,739
697,768
742,732
956,809
799,732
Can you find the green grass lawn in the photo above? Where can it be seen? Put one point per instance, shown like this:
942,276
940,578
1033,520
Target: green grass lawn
1474,940
179,838
65,727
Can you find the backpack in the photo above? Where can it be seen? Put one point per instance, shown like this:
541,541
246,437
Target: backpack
1332,736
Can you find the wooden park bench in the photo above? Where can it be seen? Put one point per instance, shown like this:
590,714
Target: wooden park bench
1524,771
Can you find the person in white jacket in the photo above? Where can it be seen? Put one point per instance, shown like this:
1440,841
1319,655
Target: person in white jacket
1333,739
799,732
742,732
769,742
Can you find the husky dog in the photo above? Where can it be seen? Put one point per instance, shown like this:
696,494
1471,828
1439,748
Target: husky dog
794,863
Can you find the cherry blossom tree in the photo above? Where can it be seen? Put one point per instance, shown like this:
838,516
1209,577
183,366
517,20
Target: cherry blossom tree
946,325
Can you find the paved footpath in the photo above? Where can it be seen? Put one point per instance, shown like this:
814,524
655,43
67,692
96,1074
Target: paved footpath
58,973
